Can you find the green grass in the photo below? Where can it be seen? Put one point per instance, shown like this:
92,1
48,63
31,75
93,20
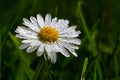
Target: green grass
99,52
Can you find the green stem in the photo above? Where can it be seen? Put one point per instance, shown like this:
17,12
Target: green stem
37,71
84,69
52,77
56,8
95,75
87,32
92,44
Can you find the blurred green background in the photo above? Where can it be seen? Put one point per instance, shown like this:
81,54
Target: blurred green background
100,40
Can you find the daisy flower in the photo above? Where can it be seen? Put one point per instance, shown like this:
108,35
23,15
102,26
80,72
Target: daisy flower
48,37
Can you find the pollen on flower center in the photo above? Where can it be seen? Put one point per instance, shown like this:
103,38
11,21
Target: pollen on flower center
48,34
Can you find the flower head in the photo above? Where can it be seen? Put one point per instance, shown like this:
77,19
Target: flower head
49,35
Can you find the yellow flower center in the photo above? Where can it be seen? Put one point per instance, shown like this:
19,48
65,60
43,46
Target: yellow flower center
48,34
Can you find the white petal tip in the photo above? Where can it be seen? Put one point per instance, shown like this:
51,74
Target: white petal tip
20,48
67,55
39,54
48,14
24,19
74,54
53,61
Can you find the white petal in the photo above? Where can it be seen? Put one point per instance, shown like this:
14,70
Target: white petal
54,20
61,25
70,29
45,57
24,46
47,19
54,48
40,50
25,32
53,57
57,27
40,20
26,21
69,47
22,37
71,40
74,53
31,49
26,37
39,53
34,21
30,25
70,34
28,41
63,51
48,48
51,53
63,22
35,43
